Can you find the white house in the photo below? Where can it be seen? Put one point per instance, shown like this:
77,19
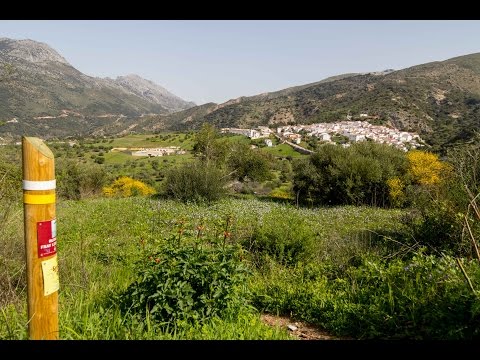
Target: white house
253,134
268,142
355,137
404,136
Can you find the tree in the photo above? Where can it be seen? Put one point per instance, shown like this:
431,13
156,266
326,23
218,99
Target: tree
249,164
195,181
208,146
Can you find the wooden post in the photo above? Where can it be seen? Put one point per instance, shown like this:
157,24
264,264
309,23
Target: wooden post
40,239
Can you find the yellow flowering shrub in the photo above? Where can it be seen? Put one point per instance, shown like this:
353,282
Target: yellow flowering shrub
395,190
425,168
126,187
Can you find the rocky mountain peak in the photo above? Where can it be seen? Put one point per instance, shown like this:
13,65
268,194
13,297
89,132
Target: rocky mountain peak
30,50
152,92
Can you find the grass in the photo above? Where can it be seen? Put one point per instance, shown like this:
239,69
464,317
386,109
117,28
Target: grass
100,239
183,140
283,150
349,279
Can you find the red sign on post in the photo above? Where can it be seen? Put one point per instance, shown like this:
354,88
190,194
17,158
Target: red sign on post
47,238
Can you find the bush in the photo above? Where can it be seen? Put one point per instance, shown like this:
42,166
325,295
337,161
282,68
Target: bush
285,237
426,297
442,203
10,180
126,186
280,193
190,283
195,182
249,164
77,180
356,175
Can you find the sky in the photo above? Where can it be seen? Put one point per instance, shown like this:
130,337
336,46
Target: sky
217,60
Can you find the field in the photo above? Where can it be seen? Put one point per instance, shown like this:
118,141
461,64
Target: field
283,150
100,242
154,268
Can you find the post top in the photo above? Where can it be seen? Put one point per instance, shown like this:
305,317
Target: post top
39,145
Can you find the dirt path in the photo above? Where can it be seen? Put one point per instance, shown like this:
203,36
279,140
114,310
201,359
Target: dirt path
299,329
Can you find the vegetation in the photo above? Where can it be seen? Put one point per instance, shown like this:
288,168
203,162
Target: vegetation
386,248
78,180
195,182
188,280
126,187
438,100
356,175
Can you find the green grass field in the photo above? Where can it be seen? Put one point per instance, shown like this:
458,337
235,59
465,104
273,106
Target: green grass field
183,140
283,150
99,242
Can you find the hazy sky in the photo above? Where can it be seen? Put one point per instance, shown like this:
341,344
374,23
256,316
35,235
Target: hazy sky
205,61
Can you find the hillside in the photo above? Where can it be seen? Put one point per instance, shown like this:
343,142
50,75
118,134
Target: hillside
439,100
41,92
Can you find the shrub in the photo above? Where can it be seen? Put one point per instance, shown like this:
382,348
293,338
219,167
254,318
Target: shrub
396,191
189,282
426,297
286,237
195,182
425,168
441,199
249,164
356,175
126,186
76,180
280,193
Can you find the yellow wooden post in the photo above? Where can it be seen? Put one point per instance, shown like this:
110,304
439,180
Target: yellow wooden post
40,239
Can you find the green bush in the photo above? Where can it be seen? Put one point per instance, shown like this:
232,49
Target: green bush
10,179
76,180
188,283
195,182
249,164
286,237
426,297
356,175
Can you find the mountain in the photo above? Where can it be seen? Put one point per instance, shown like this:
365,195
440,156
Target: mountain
41,94
45,96
439,100
152,92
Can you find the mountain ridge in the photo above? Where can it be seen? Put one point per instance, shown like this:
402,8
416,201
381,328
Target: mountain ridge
41,84
440,100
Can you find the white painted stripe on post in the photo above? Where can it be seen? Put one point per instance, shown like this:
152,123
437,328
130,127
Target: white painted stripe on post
39,185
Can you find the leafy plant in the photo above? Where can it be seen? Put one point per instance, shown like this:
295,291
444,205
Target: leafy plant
287,238
188,282
126,186
196,181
